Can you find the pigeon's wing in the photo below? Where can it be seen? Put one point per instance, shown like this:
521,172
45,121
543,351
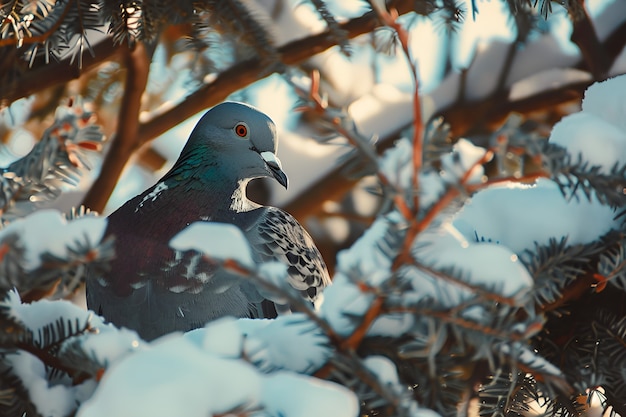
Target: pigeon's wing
277,236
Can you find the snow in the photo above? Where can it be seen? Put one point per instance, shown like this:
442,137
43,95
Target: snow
307,398
543,53
342,300
486,265
175,375
106,345
221,337
526,356
391,325
36,315
218,241
595,139
517,215
549,79
110,344
365,256
482,241
489,60
47,231
172,377
349,78
50,401
385,371
381,111
289,342
396,165
604,100
463,157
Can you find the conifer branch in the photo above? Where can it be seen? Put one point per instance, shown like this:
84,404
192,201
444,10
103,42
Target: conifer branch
19,40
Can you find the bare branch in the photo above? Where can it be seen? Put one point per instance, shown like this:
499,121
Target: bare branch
125,142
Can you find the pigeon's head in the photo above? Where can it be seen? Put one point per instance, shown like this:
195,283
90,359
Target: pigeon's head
242,137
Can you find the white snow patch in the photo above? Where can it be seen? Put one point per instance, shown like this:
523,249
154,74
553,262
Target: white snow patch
391,325
51,401
172,377
550,79
289,342
38,314
106,345
219,241
292,395
382,111
489,59
543,53
176,375
397,166
365,256
597,140
462,158
530,359
487,265
110,344
517,215
341,300
223,338
47,231
607,101
385,371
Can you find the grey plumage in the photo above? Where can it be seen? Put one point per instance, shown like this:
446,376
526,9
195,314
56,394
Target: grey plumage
155,290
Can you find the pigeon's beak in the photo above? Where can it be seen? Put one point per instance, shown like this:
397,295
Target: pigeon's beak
273,163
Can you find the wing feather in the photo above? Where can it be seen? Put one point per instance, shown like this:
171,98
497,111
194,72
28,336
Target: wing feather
277,236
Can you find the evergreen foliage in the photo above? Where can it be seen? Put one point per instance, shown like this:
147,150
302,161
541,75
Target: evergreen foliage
406,332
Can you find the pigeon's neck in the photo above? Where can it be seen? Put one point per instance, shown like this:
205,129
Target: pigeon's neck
209,184
238,200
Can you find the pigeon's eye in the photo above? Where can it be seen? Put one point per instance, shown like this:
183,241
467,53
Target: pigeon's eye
241,129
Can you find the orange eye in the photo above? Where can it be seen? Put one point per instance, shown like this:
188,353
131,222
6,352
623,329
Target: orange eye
241,130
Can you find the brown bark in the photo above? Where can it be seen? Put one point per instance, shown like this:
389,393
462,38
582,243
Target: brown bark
592,50
125,140
55,73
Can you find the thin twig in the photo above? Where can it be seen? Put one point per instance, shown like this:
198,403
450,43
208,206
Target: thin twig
474,289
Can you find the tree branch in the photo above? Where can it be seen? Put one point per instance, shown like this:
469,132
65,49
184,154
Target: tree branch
55,73
246,72
593,51
125,142
21,40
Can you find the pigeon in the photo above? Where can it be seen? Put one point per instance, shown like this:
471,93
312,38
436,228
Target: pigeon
154,289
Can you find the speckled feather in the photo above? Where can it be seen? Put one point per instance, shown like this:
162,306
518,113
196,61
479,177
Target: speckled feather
156,290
